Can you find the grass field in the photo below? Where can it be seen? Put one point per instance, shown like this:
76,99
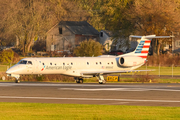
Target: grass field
163,70
3,68
43,111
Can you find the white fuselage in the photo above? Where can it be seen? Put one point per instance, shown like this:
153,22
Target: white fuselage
72,66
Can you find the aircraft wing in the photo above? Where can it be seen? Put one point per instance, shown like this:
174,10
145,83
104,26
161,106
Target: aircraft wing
108,72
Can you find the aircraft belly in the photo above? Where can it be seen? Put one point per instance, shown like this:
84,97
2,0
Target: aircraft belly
51,72
72,73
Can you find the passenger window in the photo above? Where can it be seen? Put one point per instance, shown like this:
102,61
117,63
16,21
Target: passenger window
63,63
87,63
111,62
50,63
42,63
55,64
99,62
96,63
71,63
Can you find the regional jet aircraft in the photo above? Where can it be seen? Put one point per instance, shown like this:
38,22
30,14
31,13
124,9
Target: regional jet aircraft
82,67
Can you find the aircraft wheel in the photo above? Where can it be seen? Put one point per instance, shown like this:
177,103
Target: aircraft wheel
81,81
77,81
17,81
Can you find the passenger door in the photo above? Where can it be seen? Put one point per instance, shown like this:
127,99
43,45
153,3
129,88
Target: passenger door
36,67
29,65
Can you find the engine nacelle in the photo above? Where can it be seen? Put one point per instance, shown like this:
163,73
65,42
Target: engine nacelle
130,61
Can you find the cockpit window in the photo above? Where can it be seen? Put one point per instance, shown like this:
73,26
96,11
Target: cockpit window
29,62
25,62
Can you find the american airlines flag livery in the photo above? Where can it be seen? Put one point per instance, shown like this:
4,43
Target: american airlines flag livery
82,67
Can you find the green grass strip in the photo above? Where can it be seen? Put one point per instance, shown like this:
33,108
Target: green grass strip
3,68
43,111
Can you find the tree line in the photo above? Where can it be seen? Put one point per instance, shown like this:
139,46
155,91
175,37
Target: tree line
26,20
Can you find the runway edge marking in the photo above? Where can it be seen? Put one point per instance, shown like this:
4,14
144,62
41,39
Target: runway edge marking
95,99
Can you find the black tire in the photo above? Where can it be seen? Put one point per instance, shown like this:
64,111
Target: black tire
77,81
81,80
17,81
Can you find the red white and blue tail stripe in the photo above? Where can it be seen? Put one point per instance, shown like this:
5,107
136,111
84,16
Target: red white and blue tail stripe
143,48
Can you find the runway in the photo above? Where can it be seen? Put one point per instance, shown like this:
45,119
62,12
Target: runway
106,94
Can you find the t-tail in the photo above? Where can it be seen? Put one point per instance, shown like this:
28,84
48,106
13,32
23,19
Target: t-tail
138,57
143,46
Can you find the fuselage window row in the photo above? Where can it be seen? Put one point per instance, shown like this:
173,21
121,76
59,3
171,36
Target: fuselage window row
29,62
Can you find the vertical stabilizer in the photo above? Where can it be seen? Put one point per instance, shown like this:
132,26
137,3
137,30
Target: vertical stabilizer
142,48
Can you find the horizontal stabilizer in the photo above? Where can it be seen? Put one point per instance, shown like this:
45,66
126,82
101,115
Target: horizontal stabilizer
150,36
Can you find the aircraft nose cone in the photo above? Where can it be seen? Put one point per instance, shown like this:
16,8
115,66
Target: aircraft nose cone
12,70
9,71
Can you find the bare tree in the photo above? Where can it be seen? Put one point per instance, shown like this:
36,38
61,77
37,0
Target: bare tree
29,19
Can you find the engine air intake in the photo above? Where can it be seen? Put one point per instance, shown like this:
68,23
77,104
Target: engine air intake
122,60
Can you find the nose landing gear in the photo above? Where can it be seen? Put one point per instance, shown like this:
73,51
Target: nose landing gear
17,81
16,76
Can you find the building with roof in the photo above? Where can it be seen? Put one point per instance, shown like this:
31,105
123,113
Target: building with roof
111,43
106,39
66,35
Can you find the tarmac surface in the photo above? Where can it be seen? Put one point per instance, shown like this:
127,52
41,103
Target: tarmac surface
92,93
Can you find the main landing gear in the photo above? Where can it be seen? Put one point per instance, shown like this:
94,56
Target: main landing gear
78,80
101,79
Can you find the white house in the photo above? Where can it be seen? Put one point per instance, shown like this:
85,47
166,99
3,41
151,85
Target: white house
105,39
110,43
